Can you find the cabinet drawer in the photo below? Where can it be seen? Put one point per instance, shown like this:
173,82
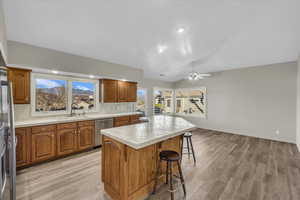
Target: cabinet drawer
86,123
123,118
134,119
39,129
66,126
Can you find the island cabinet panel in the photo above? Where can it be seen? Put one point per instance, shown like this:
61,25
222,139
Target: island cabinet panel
20,79
43,146
131,92
129,174
122,91
111,166
22,148
109,90
86,137
141,167
66,141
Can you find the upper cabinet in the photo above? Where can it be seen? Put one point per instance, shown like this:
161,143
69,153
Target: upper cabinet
109,90
118,91
20,79
132,92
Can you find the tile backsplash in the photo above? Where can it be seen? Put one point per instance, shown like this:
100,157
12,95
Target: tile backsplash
23,111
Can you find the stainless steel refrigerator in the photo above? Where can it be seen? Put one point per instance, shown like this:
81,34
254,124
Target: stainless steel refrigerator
7,140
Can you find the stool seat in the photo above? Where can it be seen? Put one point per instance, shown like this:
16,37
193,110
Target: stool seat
188,134
169,156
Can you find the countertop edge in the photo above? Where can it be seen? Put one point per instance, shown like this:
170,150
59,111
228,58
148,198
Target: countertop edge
24,124
151,142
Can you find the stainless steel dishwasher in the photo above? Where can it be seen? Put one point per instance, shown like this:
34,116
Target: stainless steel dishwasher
99,125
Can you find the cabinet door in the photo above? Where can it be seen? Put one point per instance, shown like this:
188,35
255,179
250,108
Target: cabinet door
21,85
173,144
111,165
43,146
22,149
132,92
110,91
66,141
122,91
134,119
86,137
141,167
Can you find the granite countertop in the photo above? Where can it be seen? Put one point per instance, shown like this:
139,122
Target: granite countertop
159,128
63,119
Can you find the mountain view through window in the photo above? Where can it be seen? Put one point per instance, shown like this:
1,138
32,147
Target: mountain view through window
83,95
51,95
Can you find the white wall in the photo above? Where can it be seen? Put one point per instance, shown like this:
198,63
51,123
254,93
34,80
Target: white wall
149,84
254,101
31,56
3,45
298,106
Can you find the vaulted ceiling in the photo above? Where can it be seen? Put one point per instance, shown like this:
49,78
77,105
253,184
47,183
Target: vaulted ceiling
170,37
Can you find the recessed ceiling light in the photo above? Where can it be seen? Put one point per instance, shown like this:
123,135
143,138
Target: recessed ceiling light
161,48
180,30
54,72
91,76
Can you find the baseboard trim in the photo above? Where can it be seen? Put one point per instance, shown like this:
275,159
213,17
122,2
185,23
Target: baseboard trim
242,134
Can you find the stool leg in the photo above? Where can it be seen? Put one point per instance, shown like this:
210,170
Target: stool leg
171,182
156,177
188,146
181,178
167,173
193,150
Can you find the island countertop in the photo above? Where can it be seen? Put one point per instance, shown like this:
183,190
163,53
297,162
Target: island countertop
159,128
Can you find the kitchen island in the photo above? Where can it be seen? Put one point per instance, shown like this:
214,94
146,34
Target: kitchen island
130,155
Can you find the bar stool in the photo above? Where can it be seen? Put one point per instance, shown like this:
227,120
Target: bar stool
170,157
188,137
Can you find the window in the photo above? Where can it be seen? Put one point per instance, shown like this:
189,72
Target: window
57,94
83,95
191,102
163,101
141,100
51,95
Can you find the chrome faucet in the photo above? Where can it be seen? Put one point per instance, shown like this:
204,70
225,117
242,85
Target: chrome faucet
72,110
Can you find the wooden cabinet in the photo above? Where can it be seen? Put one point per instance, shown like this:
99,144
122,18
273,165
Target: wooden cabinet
66,138
20,79
22,149
134,119
111,166
43,145
129,173
86,137
118,91
109,90
121,121
141,167
122,91
132,92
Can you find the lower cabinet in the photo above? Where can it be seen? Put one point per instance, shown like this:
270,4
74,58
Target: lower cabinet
22,149
43,146
86,137
41,143
66,141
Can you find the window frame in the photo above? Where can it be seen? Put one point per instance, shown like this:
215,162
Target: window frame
191,115
172,103
146,99
69,81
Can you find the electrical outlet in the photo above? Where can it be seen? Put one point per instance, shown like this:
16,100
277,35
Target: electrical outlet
277,132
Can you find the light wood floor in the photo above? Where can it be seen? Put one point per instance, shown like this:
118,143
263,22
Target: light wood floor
229,167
